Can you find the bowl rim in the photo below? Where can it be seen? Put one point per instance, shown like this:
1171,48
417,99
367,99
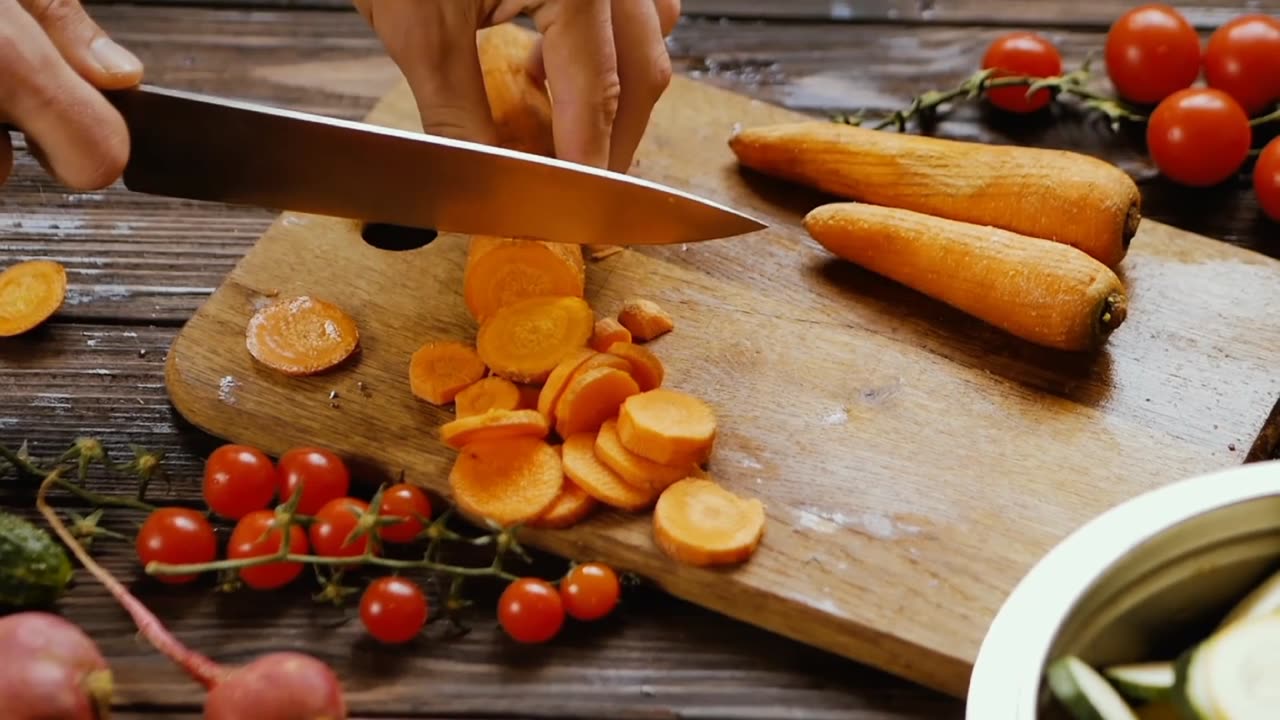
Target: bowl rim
1006,678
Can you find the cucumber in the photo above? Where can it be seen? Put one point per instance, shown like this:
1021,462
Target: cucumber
1240,670
1085,693
34,568
1143,682
1190,688
1263,600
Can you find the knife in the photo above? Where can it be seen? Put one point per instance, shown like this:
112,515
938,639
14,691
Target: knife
199,147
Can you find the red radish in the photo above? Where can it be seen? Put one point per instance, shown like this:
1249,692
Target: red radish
49,668
277,686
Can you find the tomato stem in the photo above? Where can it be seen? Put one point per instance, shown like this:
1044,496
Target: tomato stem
1272,116
103,500
493,570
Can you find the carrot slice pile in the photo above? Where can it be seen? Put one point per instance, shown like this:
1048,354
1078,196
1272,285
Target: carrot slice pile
591,398
507,481
570,507
633,468
646,368
698,522
558,379
439,370
491,393
30,293
301,335
667,426
645,319
494,425
602,360
607,332
525,340
584,468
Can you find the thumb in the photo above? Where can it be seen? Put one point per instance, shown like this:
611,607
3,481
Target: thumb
86,48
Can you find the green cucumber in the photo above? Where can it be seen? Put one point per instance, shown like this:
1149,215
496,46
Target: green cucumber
1085,693
1240,669
1190,688
1263,600
34,568
1143,682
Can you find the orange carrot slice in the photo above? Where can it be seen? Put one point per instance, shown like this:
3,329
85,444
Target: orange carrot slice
633,468
525,340
558,379
600,360
584,468
439,370
591,398
698,522
502,271
570,507
494,425
491,393
30,293
667,426
507,480
644,319
646,368
607,332
301,335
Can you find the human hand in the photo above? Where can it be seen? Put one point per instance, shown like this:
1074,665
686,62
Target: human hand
605,63
56,59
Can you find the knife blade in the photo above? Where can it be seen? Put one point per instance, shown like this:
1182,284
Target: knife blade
199,147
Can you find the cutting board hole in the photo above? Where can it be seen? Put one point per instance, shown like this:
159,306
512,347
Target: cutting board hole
396,238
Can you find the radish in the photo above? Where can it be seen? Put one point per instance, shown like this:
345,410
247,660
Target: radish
51,670
276,686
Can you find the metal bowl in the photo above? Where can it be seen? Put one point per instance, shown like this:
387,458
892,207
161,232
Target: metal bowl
1142,581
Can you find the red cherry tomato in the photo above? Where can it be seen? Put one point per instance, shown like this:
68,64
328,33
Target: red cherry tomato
393,610
1198,136
333,525
1151,53
175,536
408,502
258,534
1243,60
1021,53
1266,179
238,479
590,591
531,611
321,474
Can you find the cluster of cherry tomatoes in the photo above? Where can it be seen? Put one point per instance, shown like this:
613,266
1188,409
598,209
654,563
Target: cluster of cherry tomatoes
241,485
1197,135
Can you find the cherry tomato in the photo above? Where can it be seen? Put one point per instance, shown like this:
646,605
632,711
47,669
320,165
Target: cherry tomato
257,534
590,591
393,609
530,610
176,536
1243,60
1198,136
404,501
1266,179
238,479
321,474
1151,53
331,530
1021,53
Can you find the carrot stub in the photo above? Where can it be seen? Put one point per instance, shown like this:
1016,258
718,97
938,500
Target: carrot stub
584,468
30,293
646,368
301,335
441,369
698,522
494,425
645,319
633,468
525,340
591,398
667,426
509,480
558,379
607,332
570,507
491,393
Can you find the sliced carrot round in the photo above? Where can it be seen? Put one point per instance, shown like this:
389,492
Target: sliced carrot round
301,335
570,507
646,368
584,468
599,360
558,379
439,370
508,481
698,522
491,393
607,332
494,425
591,398
503,271
524,341
30,293
633,468
667,426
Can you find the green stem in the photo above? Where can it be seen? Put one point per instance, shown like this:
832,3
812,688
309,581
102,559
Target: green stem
159,568
103,500
23,465
1263,119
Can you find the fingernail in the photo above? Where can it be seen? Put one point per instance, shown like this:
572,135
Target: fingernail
114,59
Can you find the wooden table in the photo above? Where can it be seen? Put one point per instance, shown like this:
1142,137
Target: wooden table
140,265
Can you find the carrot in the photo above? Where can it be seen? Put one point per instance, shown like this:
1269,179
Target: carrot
607,332
644,319
558,379
491,393
597,480
667,426
30,293
507,480
600,360
633,468
493,425
698,522
646,368
570,507
441,369
1051,194
301,335
1050,294
524,341
528,396
591,398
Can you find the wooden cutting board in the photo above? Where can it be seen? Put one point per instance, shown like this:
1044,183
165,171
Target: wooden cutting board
914,462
